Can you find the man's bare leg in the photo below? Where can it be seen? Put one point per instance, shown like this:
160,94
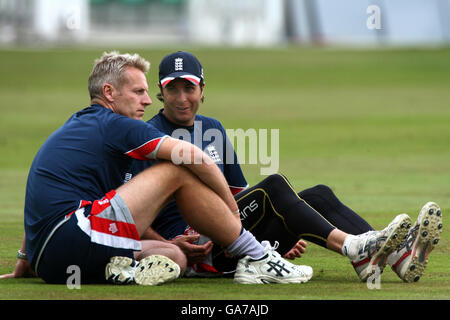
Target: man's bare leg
335,240
152,247
147,193
208,214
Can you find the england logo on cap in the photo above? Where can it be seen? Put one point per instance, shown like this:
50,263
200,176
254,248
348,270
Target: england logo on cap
179,64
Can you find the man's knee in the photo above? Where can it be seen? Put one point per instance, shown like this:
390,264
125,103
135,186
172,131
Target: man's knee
170,171
322,190
170,167
275,183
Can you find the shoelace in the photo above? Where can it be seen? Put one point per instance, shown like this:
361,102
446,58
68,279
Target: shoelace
412,234
266,243
275,245
370,244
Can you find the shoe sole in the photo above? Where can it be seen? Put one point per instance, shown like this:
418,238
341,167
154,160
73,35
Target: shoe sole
263,279
266,279
155,270
402,223
114,271
429,233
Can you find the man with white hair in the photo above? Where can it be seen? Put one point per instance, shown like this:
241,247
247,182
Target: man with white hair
78,211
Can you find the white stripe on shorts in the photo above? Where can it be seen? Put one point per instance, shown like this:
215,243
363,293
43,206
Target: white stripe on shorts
105,238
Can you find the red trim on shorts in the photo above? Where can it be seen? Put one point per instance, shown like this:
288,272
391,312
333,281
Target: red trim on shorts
83,203
107,226
99,205
115,228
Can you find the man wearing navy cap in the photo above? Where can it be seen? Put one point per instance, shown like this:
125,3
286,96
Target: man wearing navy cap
272,210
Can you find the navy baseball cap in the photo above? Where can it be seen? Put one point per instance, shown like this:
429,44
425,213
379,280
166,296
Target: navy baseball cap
180,64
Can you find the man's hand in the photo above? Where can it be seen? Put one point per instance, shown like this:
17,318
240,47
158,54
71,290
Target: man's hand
297,250
22,270
195,253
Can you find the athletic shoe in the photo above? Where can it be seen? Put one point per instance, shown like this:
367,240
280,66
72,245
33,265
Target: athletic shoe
121,270
305,271
270,268
150,271
375,246
155,270
411,257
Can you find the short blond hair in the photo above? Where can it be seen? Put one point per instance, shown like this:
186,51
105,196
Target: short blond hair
110,68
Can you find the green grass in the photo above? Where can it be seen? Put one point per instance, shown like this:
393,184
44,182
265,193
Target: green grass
373,125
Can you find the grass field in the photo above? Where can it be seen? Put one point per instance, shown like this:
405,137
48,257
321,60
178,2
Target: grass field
373,125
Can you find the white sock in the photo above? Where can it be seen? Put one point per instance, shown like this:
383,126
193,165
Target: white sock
350,247
246,245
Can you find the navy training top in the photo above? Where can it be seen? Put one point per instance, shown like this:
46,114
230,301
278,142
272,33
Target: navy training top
82,160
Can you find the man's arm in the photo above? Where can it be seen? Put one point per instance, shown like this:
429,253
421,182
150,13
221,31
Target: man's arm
23,268
194,253
151,234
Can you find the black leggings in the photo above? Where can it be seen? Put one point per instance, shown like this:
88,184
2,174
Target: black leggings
322,199
273,211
